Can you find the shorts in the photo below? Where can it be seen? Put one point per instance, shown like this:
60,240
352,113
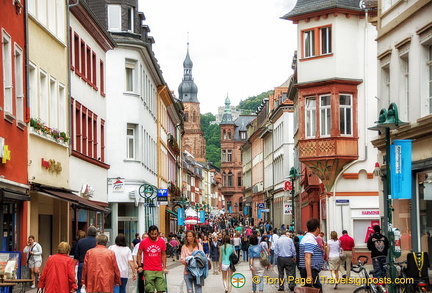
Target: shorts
225,267
34,264
154,280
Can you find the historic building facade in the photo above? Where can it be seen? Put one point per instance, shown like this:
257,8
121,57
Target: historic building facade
233,136
334,108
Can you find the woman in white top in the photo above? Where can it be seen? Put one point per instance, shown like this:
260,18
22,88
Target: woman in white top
34,258
123,257
237,243
333,249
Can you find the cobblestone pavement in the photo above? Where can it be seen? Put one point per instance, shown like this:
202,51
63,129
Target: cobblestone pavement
213,283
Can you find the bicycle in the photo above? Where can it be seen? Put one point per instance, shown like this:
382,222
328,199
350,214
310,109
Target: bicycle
369,287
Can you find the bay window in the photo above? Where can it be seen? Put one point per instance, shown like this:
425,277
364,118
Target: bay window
345,114
310,116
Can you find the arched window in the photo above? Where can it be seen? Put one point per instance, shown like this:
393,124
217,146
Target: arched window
186,116
229,135
223,179
224,134
230,179
194,116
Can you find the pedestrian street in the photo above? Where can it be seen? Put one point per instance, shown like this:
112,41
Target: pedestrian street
213,283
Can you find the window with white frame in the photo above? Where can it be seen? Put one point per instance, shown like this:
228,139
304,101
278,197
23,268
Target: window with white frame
326,40
43,96
405,86
62,107
7,72
229,155
131,12
50,15
429,64
114,18
131,141
309,43
19,83
325,115
33,91
131,75
243,135
223,155
385,83
345,114
310,117
53,104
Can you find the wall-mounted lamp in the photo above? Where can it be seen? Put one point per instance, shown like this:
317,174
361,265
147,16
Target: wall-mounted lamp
18,6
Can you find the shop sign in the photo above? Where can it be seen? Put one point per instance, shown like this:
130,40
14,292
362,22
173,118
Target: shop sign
52,166
341,202
401,168
370,213
287,209
5,153
118,186
287,186
162,195
260,205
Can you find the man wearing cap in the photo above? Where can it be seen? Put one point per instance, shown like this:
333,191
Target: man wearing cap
378,244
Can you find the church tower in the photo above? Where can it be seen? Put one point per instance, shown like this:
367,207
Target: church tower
193,138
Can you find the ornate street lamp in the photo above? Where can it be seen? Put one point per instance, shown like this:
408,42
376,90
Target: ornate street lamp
293,175
149,193
388,120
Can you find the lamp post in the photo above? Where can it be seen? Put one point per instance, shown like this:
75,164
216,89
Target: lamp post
149,193
293,175
388,120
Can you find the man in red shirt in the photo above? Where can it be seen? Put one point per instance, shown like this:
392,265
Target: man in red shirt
347,244
154,249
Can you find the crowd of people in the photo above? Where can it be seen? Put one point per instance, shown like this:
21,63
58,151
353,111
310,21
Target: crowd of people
107,269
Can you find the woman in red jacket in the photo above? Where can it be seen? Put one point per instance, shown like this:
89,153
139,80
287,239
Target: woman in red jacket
58,276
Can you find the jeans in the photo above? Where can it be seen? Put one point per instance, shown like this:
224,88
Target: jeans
190,284
273,259
245,255
122,287
378,266
261,285
79,276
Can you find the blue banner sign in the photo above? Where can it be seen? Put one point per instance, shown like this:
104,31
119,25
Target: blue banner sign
245,210
202,216
259,214
180,217
230,209
401,169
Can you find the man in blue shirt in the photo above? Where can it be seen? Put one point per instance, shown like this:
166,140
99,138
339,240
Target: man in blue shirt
81,249
310,255
286,256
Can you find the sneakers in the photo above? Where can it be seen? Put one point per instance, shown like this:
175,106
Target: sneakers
32,286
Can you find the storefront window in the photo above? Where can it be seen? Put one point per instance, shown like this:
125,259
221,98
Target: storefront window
360,230
425,206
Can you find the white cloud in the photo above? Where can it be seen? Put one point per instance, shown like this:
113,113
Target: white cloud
239,47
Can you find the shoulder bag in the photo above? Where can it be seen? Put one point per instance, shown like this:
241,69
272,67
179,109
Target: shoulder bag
264,258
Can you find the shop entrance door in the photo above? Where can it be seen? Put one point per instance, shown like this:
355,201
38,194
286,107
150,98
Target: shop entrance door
128,227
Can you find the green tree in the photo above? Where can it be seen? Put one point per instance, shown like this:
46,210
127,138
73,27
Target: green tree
251,104
212,137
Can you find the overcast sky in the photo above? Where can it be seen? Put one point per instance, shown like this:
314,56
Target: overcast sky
238,47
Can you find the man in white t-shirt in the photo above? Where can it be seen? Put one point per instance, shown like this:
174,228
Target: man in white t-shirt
273,238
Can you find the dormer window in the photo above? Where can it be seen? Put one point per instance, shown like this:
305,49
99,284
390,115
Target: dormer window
114,18
243,135
130,19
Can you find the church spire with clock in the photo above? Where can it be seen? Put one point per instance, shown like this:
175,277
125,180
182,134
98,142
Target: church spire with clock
193,138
